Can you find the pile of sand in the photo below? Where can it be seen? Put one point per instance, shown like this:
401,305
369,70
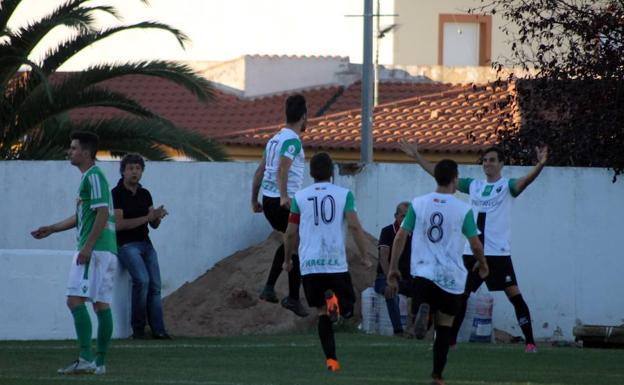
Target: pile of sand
224,301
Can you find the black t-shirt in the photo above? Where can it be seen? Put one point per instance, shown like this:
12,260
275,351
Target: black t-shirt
133,206
386,238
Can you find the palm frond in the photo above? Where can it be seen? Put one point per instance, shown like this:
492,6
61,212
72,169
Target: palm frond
9,60
67,49
175,72
7,7
150,137
36,110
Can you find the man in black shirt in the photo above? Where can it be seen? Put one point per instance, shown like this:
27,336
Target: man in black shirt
133,211
386,238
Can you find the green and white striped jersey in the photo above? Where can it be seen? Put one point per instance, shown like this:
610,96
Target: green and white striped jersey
93,193
284,143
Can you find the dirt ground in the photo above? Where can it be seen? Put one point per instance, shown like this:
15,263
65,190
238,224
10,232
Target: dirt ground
224,300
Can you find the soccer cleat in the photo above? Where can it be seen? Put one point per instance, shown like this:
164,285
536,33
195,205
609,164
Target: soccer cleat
530,348
80,366
295,306
437,381
333,309
421,321
268,294
332,365
100,370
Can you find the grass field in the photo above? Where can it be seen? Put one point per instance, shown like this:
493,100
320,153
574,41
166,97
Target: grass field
297,359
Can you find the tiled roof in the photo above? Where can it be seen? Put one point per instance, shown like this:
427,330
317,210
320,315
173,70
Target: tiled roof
388,92
461,119
226,113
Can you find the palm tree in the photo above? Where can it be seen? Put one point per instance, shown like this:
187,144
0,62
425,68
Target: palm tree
34,104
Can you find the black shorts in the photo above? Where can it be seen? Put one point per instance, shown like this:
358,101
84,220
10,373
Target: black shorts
315,286
275,214
425,291
501,275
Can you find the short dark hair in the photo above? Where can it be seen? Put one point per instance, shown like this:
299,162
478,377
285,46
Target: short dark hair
406,204
445,171
88,141
131,159
499,153
295,108
321,166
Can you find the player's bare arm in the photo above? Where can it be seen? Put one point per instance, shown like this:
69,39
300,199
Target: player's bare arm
282,179
393,270
256,207
355,228
101,217
63,225
542,158
291,244
411,150
477,250
384,253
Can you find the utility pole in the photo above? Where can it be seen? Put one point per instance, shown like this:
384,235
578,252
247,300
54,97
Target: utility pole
368,78
366,146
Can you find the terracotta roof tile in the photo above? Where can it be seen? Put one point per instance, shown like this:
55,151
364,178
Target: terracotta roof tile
465,127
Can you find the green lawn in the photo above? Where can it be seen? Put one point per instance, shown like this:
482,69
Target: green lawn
297,359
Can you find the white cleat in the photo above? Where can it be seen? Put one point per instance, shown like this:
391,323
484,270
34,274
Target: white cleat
100,370
80,366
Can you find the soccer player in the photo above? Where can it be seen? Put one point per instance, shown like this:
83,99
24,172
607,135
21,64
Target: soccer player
92,272
438,222
280,173
315,228
491,200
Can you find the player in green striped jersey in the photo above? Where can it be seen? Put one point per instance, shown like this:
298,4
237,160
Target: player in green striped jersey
92,272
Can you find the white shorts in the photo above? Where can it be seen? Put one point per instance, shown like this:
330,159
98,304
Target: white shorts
95,280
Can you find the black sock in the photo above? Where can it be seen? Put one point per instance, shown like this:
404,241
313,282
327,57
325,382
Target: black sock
276,267
294,278
524,317
326,334
459,318
440,350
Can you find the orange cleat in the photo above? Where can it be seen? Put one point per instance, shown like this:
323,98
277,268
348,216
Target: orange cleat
332,365
333,309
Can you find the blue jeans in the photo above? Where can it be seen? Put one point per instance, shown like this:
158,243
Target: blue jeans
141,261
391,303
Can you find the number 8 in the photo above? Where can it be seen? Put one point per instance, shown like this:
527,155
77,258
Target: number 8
435,232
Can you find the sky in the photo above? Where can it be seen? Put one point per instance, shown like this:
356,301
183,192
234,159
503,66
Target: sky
223,29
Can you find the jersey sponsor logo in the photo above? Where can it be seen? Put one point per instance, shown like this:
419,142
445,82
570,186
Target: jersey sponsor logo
322,262
437,200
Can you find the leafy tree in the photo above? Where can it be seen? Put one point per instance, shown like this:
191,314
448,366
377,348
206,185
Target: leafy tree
34,104
574,98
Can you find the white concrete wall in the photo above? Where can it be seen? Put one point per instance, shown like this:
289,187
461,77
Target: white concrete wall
273,74
33,290
565,234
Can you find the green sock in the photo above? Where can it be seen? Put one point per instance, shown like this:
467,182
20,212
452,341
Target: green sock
82,322
105,332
